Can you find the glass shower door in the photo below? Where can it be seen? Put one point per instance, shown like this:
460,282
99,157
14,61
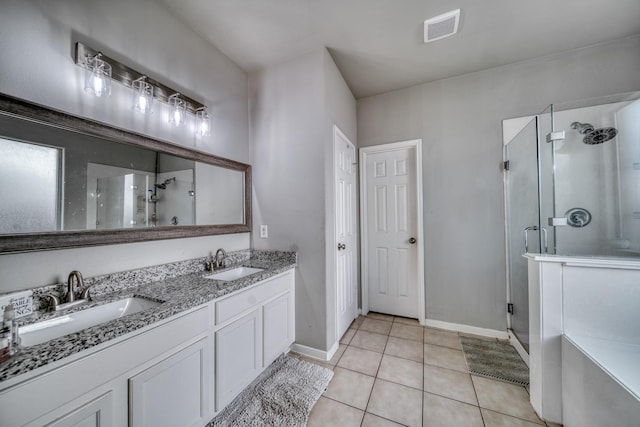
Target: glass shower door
522,212
121,201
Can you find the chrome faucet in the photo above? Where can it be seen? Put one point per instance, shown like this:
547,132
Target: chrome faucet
220,258
71,300
75,274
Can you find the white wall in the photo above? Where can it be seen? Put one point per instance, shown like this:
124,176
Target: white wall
293,106
459,121
36,47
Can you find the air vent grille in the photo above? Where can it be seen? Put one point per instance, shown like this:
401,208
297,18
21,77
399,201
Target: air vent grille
441,26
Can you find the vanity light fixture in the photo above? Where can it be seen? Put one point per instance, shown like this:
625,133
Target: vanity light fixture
177,109
203,122
98,81
97,77
142,95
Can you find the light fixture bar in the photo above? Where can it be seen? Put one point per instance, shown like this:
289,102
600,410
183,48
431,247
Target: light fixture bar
126,75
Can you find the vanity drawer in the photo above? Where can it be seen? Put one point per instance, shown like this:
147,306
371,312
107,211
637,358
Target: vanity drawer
230,307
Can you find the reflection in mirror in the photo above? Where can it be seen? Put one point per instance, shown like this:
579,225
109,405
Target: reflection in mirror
30,175
62,174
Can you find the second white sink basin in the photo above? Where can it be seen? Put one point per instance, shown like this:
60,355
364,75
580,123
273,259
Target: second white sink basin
234,274
46,330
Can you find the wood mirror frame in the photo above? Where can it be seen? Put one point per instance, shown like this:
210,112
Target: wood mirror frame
37,241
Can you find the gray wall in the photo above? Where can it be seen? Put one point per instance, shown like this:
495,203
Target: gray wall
293,107
37,65
459,121
340,109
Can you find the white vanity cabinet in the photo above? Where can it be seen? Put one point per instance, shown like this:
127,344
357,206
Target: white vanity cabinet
98,412
253,327
173,392
238,357
180,371
91,388
278,327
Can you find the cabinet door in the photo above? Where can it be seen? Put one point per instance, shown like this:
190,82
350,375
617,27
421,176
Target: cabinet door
174,392
96,413
238,356
278,327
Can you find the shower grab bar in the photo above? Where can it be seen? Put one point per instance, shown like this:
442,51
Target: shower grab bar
526,237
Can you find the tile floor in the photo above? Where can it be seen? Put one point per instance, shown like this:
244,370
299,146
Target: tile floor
390,371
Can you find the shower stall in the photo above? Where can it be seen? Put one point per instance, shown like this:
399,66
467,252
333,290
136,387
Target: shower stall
572,187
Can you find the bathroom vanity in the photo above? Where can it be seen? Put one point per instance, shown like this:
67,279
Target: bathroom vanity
177,364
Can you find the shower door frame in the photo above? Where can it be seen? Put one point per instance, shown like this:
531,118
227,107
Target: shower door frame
515,339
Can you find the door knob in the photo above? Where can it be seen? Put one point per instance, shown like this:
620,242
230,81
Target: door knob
412,240
342,246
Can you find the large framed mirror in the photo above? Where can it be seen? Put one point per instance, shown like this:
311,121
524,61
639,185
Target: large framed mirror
66,182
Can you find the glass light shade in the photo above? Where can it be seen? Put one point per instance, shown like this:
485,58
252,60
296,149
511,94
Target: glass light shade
142,95
97,80
203,122
177,109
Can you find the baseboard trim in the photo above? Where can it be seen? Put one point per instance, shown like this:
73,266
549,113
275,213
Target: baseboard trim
474,330
315,353
519,348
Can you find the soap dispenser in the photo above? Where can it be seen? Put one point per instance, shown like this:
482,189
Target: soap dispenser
8,334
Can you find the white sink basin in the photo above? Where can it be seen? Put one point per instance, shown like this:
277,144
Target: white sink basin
234,274
46,330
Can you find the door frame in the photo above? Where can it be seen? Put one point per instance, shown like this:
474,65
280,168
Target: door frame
337,132
416,144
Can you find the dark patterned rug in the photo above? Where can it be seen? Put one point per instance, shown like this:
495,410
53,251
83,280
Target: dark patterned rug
495,359
282,395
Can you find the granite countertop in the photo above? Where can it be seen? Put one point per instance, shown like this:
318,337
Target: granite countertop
176,292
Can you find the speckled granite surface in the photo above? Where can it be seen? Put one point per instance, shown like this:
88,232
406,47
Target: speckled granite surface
179,286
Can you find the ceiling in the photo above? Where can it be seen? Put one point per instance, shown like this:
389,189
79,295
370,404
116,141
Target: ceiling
377,44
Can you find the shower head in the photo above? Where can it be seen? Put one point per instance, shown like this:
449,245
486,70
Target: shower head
599,136
594,136
163,186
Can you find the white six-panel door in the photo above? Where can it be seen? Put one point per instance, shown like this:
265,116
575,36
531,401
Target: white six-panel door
346,235
391,208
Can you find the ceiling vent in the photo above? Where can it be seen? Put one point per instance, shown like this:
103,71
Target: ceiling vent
441,26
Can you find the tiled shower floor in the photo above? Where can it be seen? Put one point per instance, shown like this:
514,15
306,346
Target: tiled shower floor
390,371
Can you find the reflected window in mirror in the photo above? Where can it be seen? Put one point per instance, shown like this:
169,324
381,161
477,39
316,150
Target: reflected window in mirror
30,177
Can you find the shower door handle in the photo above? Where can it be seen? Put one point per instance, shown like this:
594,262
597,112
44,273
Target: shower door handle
526,237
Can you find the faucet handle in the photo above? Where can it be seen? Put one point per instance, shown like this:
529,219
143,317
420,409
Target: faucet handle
53,302
208,264
84,294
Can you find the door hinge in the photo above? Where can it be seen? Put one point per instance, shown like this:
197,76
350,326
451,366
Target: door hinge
506,165
510,308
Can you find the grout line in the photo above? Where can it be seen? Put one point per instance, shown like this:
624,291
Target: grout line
513,416
449,369
455,400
